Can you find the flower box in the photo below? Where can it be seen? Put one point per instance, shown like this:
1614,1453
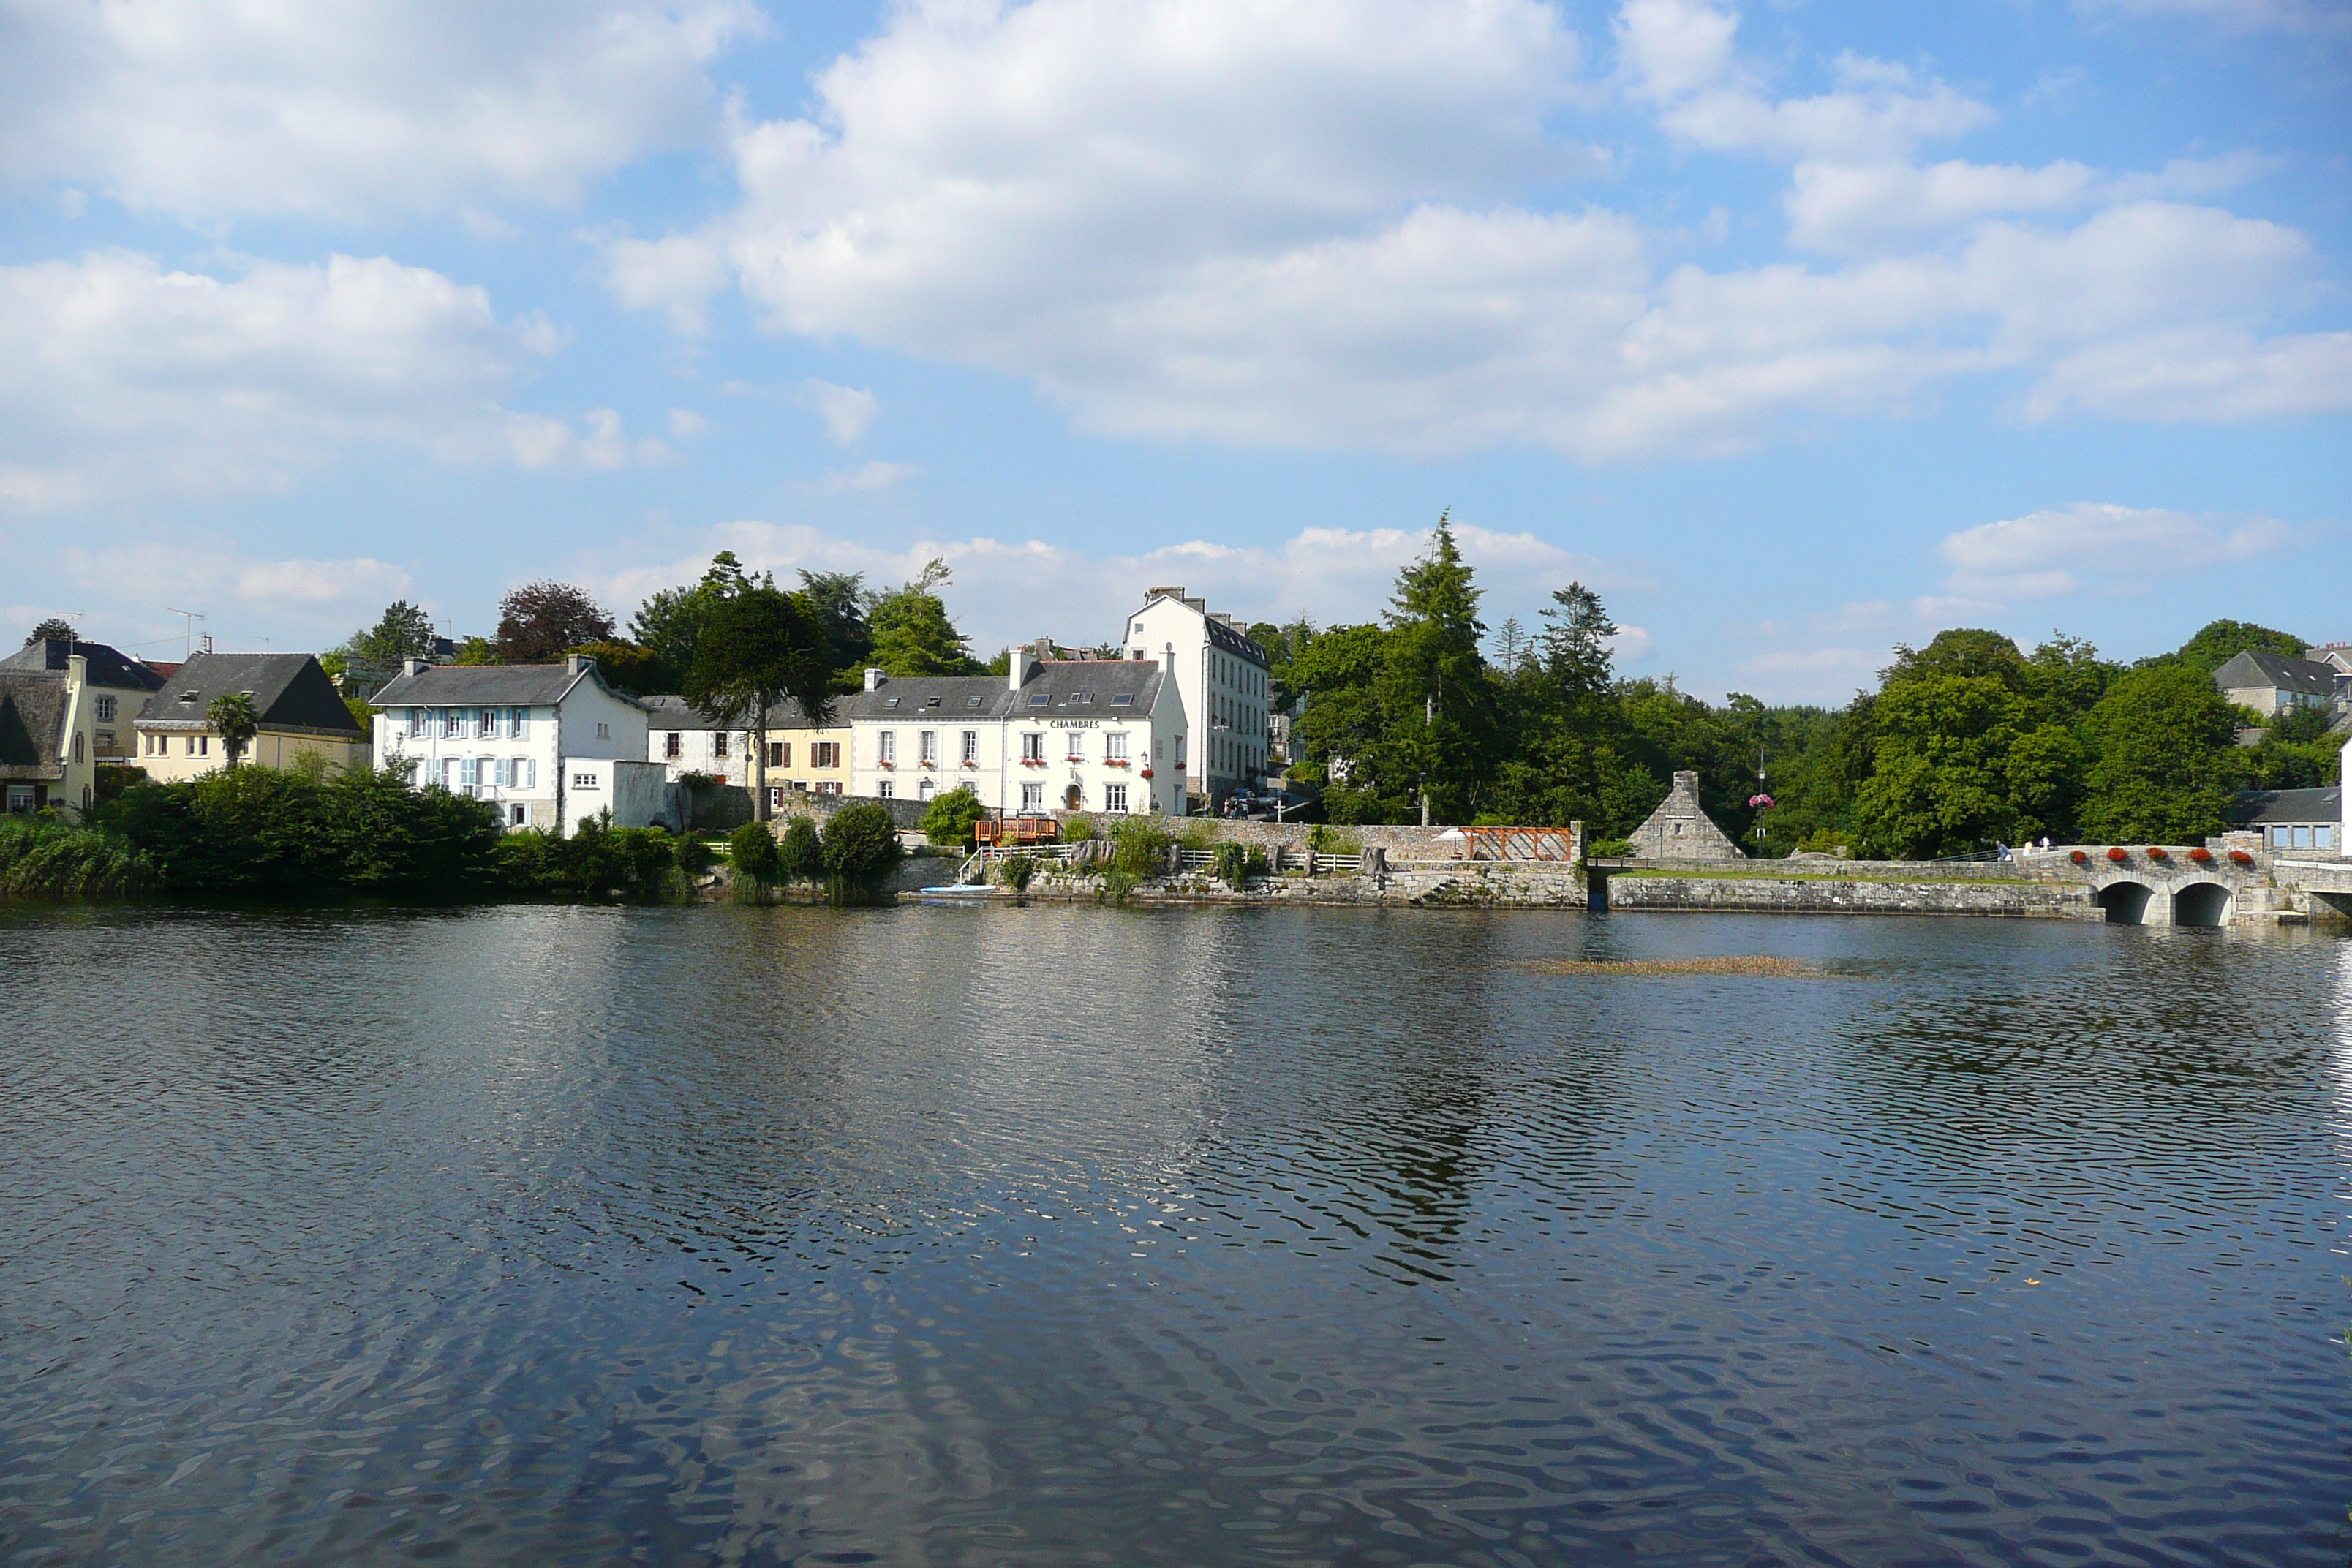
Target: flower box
2079,858
885,764
2159,852
1145,774
2241,858
2118,855
974,765
2201,855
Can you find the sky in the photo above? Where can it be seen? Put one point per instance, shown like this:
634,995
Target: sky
1797,329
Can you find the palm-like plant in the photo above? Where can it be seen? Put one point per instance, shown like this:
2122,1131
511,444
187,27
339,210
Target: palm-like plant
235,720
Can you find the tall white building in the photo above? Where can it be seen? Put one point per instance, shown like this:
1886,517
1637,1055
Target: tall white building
1097,735
1226,681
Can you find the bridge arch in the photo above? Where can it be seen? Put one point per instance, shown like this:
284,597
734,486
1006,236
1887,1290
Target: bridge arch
2202,903
2126,901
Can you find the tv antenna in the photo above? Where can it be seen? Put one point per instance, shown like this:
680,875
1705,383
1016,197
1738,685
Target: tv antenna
190,625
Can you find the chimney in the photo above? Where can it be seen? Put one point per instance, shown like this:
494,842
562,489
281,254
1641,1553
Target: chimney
1151,593
208,642
874,678
412,666
1018,661
1043,648
1201,605
579,663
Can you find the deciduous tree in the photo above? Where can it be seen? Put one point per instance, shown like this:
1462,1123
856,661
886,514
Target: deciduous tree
540,622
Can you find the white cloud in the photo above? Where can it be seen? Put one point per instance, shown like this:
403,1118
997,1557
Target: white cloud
215,108
848,411
2090,544
1321,227
1875,208
119,378
686,425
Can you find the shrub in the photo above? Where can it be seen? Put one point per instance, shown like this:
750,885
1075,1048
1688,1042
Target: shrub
41,857
1238,863
1138,847
1078,827
1609,848
947,822
1014,871
861,845
752,849
693,854
1325,839
800,857
596,862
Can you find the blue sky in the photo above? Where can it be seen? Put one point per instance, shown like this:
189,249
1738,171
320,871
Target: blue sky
1799,329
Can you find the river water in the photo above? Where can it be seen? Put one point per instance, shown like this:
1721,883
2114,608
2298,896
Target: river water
1069,1235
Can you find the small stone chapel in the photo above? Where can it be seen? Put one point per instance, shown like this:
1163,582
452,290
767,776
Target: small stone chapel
1680,830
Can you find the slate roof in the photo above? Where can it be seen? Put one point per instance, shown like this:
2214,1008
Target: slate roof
488,685
1060,689
673,712
32,725
2252,669
109,667
2264,808
290,693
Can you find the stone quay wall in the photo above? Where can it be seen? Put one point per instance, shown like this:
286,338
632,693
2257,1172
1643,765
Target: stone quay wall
1827,895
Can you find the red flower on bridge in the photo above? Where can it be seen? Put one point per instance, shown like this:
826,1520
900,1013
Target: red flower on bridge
2116,853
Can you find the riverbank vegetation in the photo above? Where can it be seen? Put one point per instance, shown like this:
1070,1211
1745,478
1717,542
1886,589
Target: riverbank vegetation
43,858
1968,741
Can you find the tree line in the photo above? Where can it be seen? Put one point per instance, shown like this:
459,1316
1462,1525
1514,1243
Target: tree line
1966,742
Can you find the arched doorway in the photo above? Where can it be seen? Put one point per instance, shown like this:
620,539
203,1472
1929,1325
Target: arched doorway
2125,902
2201,904
1073,797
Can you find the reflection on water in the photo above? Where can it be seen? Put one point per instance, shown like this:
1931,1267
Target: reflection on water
1074,1235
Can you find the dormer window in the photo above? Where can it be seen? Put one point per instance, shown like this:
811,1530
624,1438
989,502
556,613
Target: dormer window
1040,699
931,702
976,701
890,702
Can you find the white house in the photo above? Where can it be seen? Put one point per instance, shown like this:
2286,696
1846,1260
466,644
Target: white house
550,743
1099,736
1225,679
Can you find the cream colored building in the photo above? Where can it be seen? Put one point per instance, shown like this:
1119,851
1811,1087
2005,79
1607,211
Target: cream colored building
803,758
300,715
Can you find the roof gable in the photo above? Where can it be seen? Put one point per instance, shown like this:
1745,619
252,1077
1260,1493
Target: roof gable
32,725
289,690
2254,668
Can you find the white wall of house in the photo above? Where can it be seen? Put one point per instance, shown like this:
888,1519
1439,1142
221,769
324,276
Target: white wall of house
1227,693
1119,762
515,755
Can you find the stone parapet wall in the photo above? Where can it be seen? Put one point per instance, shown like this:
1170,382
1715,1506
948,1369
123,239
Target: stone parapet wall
1402,842
819,808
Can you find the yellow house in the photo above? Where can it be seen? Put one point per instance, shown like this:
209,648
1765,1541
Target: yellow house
300,715
48,759
802,758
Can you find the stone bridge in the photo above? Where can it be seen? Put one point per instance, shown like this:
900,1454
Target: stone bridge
2213,884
